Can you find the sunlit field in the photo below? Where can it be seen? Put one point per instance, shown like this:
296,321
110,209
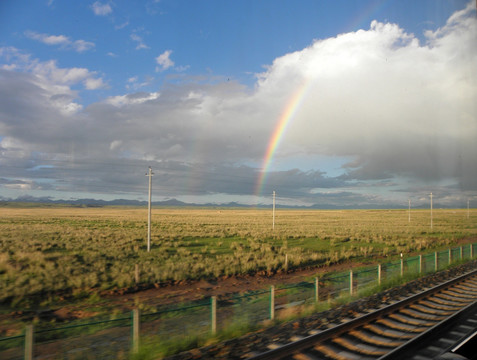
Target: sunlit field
62,251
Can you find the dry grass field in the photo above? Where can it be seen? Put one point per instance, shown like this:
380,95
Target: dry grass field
53,252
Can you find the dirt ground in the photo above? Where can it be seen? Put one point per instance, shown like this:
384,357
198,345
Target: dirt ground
196,290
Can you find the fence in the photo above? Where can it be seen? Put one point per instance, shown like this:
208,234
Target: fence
117,338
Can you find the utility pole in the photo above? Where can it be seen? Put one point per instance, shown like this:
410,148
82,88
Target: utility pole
467,208
273,223
150,174
409,200
431,210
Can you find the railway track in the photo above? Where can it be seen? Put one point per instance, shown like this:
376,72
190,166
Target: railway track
422,326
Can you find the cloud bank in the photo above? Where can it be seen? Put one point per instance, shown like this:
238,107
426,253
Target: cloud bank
396,116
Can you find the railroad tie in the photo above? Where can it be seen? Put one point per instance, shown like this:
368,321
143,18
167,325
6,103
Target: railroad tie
427,310
452,299
327,351
424,316
440,305
301,356
373,340
388,333
359,349
405,328
459,294
406,320
452,296
471,281
466,289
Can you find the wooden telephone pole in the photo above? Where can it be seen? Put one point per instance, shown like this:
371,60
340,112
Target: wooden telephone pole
150,174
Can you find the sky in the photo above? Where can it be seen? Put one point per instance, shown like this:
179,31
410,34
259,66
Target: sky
334,103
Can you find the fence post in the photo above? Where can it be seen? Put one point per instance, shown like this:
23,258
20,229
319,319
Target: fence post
272,302
450,256
29,342
135,330
351,282
136,274
471,251
317,290
379,274
461,253
435,261
213,314
420,264
402,266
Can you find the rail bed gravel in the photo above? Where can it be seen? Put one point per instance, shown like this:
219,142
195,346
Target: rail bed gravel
257,342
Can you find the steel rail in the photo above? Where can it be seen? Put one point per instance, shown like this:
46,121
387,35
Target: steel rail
308,342
419,341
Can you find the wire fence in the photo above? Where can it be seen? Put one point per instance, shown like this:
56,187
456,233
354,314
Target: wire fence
117,338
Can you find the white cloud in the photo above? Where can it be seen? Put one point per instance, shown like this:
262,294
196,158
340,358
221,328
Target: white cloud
115,144
93,84
134,84
48,75
182,68
131,99
48,39
49,70
139,41
61,40
101,9
164,61
20,186
14,55
121,26
81,45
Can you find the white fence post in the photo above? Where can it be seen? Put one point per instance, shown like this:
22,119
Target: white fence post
379,274
317,290
213,314
272,302
136,274
29,342
351,282
135,331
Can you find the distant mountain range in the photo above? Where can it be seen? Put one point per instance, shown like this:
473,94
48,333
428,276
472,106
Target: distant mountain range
36,201
115,202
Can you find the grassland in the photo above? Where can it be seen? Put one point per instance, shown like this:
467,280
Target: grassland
47,253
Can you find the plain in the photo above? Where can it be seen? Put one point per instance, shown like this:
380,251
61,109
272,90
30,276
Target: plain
51,253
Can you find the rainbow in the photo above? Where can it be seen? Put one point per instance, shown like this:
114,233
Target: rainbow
285,118
361,19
